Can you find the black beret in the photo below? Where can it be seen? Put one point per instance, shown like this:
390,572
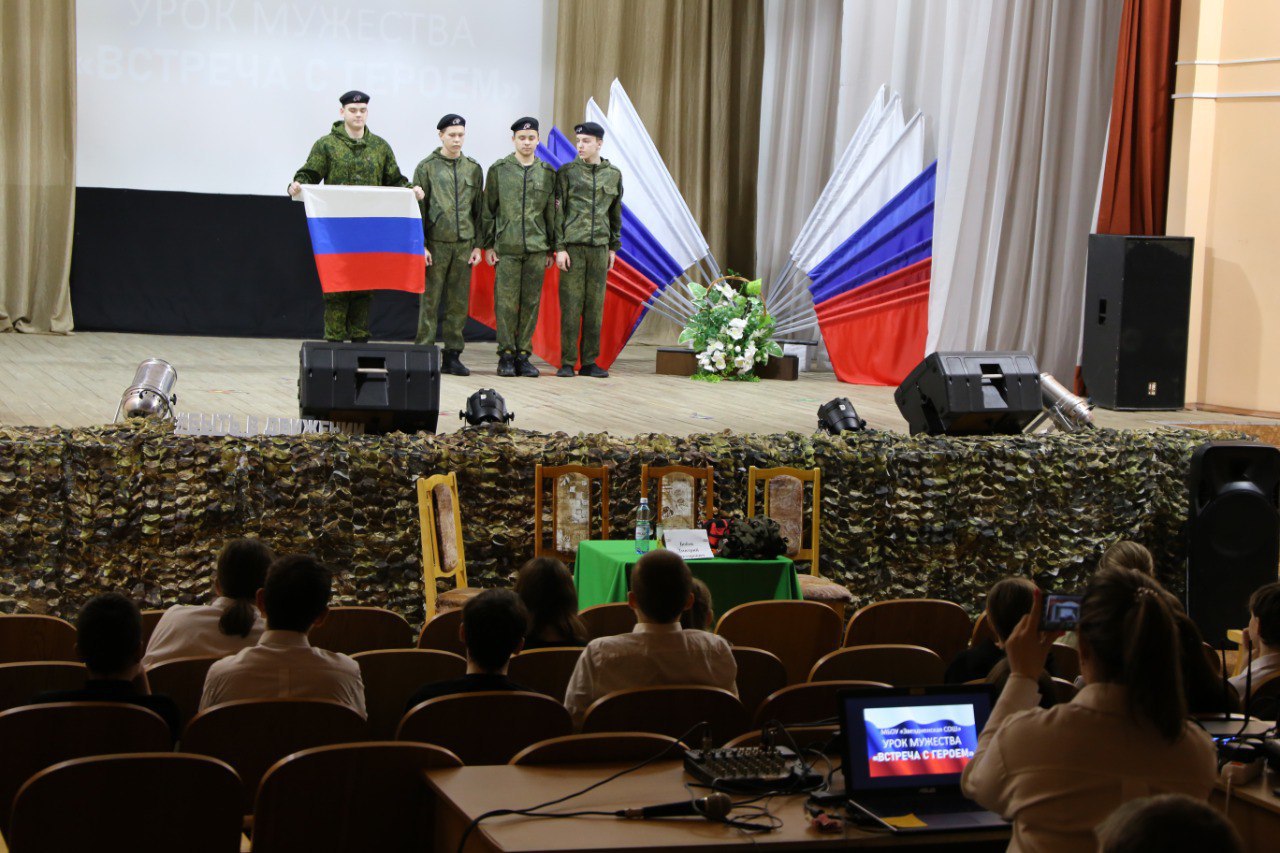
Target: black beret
526,123
589,128
451,120
355,96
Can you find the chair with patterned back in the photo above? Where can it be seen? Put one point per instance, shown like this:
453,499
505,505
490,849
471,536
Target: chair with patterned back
608,620
391,676
440,527
812,703
675,502
930,622
350,630
22,682
671,710
545,670
486,727
598,748
573,492
31,637
897,664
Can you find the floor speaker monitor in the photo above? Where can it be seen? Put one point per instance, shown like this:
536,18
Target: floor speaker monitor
971,393
386,387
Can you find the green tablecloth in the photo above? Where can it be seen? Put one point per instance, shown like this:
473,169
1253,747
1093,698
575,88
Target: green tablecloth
602,571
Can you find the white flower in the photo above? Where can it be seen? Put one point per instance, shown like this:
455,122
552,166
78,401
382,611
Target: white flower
744,363
750,352
736,328
726,291
715,345
718,360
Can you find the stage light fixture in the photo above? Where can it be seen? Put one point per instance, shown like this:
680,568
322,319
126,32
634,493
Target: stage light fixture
151,392
1062,409
839,416
486,406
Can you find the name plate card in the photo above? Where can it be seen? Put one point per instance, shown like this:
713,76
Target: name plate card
689,544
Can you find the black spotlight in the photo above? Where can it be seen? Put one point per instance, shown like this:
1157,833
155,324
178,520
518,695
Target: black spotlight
486,406
839,416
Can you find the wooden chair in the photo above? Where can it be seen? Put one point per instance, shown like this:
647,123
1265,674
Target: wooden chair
28,637
141,802
545,670
572,518
672,711
677,491
350,797
1063,691
935,624
599,748
361,629
392,676
812,703
34,737
22,682
899,665
150,618
253,734
760,674
784,502
1066,661
982,630
182,680
441,633
440,526
487,727
608,620
798,632
805,737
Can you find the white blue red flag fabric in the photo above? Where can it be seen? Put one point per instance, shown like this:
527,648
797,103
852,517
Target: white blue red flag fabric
366,238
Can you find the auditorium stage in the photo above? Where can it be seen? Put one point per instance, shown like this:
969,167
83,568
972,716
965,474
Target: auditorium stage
76,381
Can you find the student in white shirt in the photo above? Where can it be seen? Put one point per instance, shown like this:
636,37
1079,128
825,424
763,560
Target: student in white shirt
283,664
657,652
232,622
1261,644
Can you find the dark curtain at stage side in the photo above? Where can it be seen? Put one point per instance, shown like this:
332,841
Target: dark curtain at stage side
37,163
693,69
1135,183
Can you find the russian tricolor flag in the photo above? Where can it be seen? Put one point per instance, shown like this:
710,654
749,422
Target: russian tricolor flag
366,238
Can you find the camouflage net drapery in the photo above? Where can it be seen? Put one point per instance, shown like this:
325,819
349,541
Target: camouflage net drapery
138,509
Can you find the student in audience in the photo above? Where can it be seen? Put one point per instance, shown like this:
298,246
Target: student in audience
1261,644
658,651
109,641
283,664
1058,773
546,588
1127,554
702,615
226,626
493,626
1008,600
1169,823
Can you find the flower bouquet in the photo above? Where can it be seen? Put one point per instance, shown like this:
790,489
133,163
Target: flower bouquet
730,332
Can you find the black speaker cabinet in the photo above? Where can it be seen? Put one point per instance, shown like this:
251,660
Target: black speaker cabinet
386,387
1234,532
971,393
1137,310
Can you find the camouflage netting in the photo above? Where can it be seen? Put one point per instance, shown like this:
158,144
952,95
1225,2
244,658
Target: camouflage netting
139,509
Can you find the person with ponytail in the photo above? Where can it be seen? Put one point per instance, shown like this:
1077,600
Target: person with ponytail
1058,773
231,623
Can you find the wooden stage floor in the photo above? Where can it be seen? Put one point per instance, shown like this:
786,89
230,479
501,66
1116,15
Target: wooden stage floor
77,380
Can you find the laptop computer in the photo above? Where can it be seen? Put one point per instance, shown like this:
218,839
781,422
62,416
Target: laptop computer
904,750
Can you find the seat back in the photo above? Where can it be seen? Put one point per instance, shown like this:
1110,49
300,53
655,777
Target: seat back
545,670
1063,691
28,637
785,501
814,703
805,737
349,797
899,665
675,501
930,622
486,727
440,528
673,711
982,630
572,501
141,802
253,734
1264,699
182,680
34,737
599,748
608,620
392,676
798,632
1065,660
361,629
150,619
441,633
22,682
760,674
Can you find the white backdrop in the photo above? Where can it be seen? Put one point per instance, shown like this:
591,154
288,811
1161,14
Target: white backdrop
227,96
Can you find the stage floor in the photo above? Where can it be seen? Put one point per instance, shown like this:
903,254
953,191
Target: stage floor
77,380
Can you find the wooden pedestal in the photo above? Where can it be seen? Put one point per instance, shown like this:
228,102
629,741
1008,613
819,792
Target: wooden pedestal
678,361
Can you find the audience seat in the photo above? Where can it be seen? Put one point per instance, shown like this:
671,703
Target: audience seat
391,676
26,637
350,798
22,682
1264,698
600,748
812,703
441,632
674,711
1063,691
982,630
361,629
823,738
487,727
930,622
899,665
760,674
545,670
608,620
1065,661
150,619
798,632
140,802
182,680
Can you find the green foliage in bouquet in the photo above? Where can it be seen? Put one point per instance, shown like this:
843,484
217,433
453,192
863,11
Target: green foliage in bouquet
730,333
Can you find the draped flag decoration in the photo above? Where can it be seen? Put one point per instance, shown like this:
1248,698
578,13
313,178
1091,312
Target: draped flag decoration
365,238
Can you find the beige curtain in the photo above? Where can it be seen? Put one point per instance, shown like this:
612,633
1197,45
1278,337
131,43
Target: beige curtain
37,164
693,69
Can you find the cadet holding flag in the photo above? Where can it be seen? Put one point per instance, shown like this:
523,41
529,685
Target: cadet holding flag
451,213
350,155
519,216
588,234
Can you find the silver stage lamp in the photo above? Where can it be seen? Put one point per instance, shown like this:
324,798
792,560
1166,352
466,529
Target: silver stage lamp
151,392
1064,410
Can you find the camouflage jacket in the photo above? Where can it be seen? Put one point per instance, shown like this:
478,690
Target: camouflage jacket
452,205
588,205
339,159
519,206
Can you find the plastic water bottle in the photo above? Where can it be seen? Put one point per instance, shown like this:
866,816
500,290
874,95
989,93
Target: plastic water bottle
642,526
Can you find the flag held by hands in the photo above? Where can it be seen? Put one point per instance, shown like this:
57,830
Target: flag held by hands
366,238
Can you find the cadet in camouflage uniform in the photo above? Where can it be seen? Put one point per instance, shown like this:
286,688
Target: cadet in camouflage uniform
588,234
350,155
451,212
519,215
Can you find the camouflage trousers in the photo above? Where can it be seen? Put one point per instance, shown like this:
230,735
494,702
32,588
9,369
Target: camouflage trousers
346,316
517,292
582,303
448,281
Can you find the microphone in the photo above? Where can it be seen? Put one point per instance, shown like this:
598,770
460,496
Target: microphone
712,807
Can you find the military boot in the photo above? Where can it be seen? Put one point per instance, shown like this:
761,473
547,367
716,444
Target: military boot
453,365
594,370
506,364
565,371
524,368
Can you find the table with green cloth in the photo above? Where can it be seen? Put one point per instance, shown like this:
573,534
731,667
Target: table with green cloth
603,570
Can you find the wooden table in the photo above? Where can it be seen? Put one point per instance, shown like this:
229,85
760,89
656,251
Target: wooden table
1254,810
466,792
